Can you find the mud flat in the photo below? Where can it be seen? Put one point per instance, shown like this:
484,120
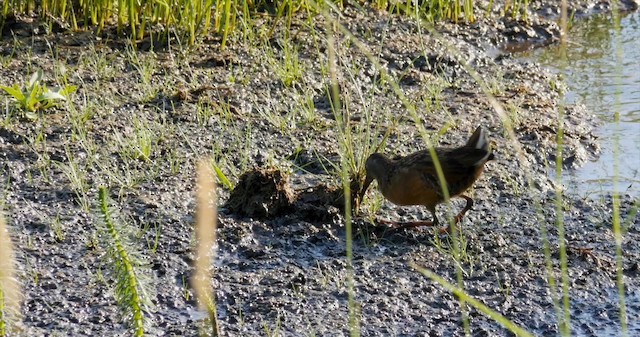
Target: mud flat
141,119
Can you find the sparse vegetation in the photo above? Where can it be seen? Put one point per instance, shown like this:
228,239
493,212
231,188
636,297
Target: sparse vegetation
301,88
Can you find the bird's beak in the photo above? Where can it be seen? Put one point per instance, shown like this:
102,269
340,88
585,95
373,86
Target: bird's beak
362,189
367,181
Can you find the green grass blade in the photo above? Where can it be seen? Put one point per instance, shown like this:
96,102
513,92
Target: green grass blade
221,176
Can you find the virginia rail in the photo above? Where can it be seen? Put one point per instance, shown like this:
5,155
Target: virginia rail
412,180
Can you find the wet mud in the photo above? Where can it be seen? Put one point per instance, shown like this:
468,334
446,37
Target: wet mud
281,255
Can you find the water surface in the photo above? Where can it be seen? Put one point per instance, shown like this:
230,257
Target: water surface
602,71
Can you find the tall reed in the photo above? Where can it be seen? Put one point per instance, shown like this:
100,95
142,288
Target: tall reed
10,290
205,230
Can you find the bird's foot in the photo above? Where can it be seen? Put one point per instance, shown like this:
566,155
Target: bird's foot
400,225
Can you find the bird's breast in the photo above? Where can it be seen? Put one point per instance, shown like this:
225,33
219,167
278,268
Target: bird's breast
410,189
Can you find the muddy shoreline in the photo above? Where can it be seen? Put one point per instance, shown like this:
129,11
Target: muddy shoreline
288,272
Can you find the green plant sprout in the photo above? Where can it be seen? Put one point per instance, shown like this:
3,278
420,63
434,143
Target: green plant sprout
36,96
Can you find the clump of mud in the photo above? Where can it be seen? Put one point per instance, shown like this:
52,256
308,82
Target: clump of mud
266,193
261,193
319,202
322,195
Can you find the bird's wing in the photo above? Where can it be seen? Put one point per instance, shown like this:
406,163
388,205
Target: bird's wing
422,163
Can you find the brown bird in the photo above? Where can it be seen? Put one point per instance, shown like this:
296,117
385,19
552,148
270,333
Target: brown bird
413,179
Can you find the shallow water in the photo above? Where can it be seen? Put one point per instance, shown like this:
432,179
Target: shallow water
602,72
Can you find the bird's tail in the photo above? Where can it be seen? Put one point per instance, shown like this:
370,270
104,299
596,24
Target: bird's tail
478,140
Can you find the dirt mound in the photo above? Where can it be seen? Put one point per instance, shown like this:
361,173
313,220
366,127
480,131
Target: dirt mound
261,193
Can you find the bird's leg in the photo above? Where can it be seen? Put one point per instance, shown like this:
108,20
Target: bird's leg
443,230
413,224
458,218
467,207
395,225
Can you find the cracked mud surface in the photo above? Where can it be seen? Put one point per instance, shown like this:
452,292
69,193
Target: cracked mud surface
289,270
